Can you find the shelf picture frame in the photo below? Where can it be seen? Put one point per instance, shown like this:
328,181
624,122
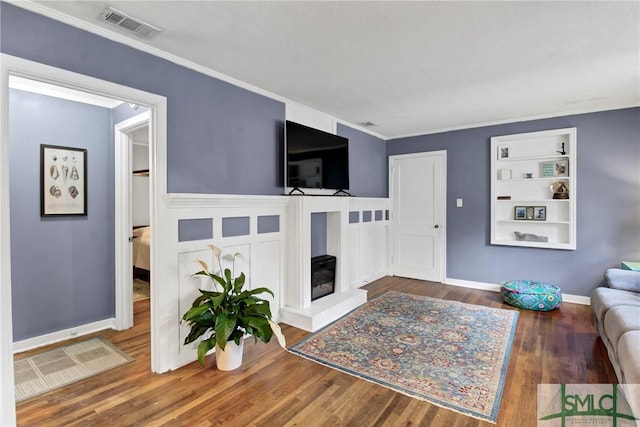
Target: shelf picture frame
547,169
561,167
63,180
539,213
503,152
520,213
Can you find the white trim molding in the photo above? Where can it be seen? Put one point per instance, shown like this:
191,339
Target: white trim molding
122,174
65,334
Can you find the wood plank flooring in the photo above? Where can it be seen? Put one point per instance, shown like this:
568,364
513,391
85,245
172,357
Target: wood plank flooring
276,388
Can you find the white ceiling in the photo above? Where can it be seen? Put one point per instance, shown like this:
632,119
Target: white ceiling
409,67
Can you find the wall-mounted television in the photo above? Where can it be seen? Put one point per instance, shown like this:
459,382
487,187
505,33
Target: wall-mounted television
315,159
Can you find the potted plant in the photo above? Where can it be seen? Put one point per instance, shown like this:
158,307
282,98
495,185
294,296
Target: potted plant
227,315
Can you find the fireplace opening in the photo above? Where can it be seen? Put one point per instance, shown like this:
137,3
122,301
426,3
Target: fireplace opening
323,273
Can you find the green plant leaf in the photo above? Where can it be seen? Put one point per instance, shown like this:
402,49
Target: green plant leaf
204,347
239,283
217,301
195,312
196,332
221,281
257,291
259,309
259,327
225,326
227,276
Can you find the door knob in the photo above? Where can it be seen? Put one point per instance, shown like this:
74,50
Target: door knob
436,226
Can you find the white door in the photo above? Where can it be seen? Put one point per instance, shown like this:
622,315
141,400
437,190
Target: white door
418,190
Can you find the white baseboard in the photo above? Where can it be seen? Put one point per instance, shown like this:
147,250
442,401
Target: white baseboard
471,284
54,337
574,299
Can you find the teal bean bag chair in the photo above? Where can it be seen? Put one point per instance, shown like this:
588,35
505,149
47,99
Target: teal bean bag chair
531,295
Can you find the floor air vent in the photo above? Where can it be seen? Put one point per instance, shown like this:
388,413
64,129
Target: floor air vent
122,20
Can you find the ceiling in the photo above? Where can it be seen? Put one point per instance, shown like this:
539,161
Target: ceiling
409,67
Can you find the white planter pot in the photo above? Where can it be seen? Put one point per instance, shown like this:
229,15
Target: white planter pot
231,357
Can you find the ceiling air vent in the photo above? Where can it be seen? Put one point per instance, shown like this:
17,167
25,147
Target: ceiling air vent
122,20
368,124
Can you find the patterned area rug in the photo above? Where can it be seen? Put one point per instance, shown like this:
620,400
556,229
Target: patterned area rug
47,371
448,353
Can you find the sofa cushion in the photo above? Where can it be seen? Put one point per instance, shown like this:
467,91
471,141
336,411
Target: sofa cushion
628,351
625,280
619,320
602,299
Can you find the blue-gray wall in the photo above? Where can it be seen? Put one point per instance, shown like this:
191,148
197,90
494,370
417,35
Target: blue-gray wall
608,213
62,268
368,170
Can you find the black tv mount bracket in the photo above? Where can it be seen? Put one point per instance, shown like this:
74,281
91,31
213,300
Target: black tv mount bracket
346,193
294,189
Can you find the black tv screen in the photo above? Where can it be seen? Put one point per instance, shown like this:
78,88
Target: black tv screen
316,159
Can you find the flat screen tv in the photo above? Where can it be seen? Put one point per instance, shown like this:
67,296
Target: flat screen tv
315,159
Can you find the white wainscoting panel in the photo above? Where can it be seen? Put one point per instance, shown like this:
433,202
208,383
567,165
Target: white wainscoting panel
262,255
279,260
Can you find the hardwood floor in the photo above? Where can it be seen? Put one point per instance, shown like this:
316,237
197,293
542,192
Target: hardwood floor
276,388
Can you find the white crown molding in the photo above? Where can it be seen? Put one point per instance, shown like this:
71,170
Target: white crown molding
516,120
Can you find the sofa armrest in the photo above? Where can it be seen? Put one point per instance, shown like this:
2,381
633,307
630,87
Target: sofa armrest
626,280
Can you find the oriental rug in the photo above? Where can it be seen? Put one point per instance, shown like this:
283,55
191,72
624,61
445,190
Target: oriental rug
53,369
448,353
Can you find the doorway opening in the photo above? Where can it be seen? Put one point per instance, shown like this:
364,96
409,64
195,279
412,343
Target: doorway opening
18,67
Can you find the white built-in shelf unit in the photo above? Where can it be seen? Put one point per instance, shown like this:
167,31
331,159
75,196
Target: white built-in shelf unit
526,168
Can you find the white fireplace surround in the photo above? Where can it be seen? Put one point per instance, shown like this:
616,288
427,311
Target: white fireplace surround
359,247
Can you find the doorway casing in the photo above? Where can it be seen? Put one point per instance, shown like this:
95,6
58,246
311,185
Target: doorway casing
14,66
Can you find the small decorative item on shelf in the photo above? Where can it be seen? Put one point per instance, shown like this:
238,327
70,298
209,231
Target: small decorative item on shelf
528,237
547,169
540,213
528,175
560,190
529,212
562,152
561,168
504,174
503,152
504,197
